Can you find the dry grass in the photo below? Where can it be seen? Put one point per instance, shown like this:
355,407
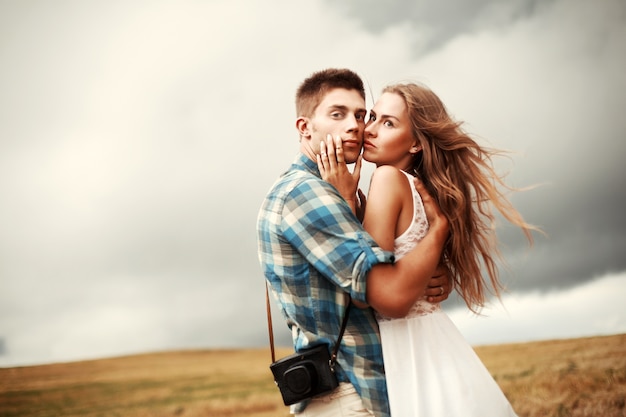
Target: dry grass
574,377
562,378
188,383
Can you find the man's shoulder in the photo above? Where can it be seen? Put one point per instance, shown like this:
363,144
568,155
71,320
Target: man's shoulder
297,180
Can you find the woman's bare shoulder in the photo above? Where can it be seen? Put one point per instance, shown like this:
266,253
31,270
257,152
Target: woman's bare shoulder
387,174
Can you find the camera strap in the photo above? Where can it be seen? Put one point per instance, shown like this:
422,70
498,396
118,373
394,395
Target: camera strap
333,357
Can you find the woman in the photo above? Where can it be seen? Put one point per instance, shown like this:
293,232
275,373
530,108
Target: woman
431,369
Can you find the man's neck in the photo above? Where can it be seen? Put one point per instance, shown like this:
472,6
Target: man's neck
308,152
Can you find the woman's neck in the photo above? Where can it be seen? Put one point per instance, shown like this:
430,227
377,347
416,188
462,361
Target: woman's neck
408,168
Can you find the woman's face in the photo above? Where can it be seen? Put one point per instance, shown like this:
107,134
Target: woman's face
388,137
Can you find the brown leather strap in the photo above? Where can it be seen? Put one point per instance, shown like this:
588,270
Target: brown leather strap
333,357
269,321
270,328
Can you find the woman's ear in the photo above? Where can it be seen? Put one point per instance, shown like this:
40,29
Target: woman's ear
302,124
415,148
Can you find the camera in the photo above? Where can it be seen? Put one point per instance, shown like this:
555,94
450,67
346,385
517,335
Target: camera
304,374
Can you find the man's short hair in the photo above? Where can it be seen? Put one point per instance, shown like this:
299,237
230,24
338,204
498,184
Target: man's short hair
312,90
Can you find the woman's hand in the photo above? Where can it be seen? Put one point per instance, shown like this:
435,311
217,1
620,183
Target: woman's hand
440,285
438,223
334,170
361,203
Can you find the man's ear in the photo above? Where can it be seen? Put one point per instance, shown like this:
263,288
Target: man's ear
302,124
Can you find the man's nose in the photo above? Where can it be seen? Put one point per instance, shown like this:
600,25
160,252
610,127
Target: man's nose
353,123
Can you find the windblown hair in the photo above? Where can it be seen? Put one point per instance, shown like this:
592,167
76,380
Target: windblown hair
312,90
459,174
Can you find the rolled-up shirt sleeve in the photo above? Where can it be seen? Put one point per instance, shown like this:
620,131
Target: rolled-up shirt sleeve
320,225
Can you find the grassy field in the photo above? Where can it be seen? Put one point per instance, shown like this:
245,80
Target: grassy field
573,377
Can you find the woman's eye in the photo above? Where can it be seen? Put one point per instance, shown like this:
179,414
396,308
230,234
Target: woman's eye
372,118
388,123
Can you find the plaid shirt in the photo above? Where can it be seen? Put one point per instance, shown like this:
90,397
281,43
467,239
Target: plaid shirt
313,250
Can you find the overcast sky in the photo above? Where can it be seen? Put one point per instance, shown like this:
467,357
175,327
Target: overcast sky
138,139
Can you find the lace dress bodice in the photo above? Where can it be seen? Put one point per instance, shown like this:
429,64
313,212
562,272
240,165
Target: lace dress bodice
404,243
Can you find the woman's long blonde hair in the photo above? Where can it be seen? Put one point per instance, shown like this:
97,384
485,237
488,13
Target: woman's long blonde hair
459,174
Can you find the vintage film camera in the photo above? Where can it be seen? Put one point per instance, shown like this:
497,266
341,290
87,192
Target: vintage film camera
304,375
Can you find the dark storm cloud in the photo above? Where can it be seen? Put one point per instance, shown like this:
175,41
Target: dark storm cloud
436,22
581,212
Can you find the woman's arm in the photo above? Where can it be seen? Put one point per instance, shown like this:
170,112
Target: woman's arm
393,289
387,201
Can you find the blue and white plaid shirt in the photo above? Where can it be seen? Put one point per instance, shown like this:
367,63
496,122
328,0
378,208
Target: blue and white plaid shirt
313,250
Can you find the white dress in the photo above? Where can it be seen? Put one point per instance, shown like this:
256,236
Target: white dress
432,371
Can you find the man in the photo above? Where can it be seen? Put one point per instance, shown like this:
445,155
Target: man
313,250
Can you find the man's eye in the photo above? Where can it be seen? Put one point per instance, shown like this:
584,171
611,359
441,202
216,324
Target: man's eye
360,117
336,115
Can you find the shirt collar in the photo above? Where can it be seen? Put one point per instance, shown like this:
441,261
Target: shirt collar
305,163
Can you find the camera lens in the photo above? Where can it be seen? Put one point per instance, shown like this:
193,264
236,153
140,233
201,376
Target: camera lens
301,379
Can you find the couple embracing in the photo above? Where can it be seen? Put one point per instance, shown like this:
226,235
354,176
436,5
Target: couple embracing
425,229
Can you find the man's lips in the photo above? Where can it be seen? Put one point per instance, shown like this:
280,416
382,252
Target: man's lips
351,144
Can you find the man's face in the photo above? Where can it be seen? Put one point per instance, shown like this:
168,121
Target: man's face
341,113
